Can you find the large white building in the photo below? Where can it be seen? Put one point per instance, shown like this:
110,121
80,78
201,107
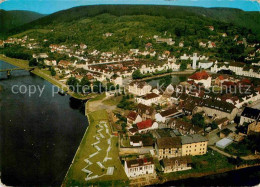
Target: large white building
139,88
148,99
139,167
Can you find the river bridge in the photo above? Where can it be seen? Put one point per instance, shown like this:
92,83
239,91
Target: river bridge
8,71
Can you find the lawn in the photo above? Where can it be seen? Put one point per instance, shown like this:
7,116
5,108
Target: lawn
76,176
238,149
44,31
112,101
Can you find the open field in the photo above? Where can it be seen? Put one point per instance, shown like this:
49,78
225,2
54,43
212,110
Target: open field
76,176
29,31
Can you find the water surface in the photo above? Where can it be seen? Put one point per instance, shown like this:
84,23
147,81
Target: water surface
39,135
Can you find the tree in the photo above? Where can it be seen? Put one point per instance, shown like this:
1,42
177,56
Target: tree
183,66
53,72
73,84
214,125
33,62
85,85
137,74
198,120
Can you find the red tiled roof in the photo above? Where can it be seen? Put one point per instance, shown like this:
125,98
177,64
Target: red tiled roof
144,124
199,75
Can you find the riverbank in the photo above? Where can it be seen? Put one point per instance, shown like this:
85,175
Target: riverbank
97,158
24,64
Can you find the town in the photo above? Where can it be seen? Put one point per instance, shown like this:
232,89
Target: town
166,128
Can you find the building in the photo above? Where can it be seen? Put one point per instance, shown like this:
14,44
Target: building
201,78
148,99
185,128
133,118
217,109
139,167
170,113
141,141
194,145
249,115
254,127
146,112
147,125
223,143
139,88
168,147
176,164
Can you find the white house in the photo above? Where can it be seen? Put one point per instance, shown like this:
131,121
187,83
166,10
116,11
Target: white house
139,167
147,125
148,99
139,88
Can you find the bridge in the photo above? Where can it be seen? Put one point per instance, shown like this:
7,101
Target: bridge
8,71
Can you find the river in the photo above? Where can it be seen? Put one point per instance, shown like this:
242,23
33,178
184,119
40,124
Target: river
39,134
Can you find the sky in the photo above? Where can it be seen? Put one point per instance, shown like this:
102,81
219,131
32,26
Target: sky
51,6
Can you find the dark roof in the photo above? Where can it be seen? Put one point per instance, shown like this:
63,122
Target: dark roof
144,109
169,142
226,131
222,120
150,96
180,160
169,112
139,162
218,105
132,115
252,113
135,139
195,138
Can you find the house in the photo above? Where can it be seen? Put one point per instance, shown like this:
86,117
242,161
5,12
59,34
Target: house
139,167
133,118
139,88
40,55
176,164
136,141
185,128
148,46
222,122
249,115
162,116
193,145
254,127
64,63
204,64
168,147
140,141
2,44
201,77
217,109
146,112
225,133
146,125
148,99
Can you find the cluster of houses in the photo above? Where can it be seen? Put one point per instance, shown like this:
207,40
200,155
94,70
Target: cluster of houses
174,140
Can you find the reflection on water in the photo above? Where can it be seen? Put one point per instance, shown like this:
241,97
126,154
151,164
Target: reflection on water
39,135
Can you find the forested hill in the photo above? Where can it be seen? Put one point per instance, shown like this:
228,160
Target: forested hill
13,19
250,20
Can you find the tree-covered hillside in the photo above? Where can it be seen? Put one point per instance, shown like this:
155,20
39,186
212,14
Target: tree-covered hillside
13,19
250,20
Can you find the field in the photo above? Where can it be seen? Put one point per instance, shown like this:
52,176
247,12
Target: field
43,31
76,176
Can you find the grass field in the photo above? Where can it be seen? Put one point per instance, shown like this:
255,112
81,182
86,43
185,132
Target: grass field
113,100
76,176
29,31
